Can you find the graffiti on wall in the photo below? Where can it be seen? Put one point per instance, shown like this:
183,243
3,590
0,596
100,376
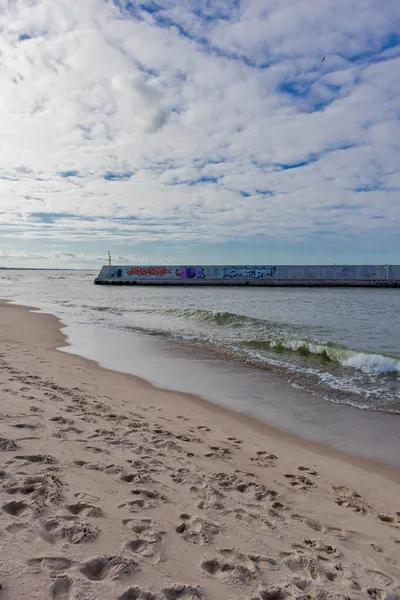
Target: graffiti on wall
348,271
368,272
190,272
159,271
249,272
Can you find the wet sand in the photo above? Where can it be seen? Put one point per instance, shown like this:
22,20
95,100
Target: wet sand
237,386
111,488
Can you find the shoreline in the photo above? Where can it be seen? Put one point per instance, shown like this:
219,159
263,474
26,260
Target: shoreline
63,346
111,488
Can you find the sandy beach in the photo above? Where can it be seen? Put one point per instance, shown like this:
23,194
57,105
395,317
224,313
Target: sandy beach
113,489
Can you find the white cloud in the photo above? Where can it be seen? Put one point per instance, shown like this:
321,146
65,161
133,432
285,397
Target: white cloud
63,259
182,120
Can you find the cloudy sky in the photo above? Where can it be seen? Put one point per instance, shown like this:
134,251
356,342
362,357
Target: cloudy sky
205,131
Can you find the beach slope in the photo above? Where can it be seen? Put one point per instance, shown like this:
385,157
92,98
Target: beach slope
113,489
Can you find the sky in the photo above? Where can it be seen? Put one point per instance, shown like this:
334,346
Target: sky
199,131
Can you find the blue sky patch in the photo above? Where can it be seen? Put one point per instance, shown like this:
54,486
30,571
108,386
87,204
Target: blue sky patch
71,173
115,176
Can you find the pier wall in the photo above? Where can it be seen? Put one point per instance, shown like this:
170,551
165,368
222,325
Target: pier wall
272,275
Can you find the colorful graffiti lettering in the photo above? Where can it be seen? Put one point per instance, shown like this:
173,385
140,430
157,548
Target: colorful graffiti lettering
149,271
250,272
190,272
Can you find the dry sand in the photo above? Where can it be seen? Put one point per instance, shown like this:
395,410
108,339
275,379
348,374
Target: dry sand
112,489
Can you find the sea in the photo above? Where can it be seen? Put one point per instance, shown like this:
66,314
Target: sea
323,363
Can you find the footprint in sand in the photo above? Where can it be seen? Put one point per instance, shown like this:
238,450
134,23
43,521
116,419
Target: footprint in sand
308,470
180,591
15,509
300,482
62,420
231,482
3,475
149,539
84,509
185,438
110,469
139,525
184,475
301,564
264,459
311,523
318,569
61,588
235,440
348,498
155,465
210,498
276,593
147,547
324,551
17,527
139,593
380,578
97,450
73,532
7,445
23,490
253,519
108,567
276,511
234,567
25,426
344,534
37,458
144,499
53,563
377,594
393,521
64,431
140,478
42,488
196,530
218,451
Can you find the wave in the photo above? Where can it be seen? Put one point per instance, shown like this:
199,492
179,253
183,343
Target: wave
372,363
330,352
279,342
217,317
343,389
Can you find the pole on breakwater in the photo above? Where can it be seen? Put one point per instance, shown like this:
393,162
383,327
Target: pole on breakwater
109,264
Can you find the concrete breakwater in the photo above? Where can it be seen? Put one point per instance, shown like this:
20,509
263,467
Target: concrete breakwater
265,275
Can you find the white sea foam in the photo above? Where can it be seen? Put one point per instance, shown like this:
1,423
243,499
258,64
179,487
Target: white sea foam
372,363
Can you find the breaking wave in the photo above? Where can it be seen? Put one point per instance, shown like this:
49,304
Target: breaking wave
211,316
289,342
330,352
